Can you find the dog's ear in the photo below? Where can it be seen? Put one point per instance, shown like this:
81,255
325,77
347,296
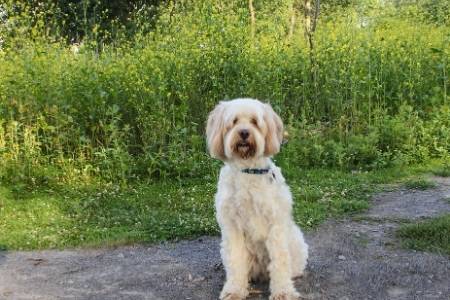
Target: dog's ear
274,135
214,132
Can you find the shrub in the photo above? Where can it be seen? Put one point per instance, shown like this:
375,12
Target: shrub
374,94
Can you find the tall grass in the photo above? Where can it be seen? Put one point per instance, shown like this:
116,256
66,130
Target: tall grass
376,94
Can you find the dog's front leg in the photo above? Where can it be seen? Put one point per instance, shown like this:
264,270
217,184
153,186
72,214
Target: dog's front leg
235,258
281,285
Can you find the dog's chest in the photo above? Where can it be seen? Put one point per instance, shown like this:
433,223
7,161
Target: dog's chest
255,206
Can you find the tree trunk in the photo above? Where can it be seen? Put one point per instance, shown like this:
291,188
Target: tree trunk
308,27
252,18
292,21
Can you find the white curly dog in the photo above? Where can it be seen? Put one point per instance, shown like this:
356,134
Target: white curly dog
260,240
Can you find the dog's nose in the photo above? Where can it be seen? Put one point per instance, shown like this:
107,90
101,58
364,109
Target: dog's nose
244,134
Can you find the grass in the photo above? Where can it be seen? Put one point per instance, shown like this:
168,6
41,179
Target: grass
419,183
430,235
442,171
170,210
147,213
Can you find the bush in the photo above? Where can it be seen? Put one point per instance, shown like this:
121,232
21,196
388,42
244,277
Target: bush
374,94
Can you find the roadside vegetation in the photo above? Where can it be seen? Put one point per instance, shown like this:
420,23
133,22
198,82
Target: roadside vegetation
430,235
420,183
102,112
443,171
111,215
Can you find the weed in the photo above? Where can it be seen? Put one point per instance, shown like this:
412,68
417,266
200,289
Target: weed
442,171
136,110
430,235
112,215
419,184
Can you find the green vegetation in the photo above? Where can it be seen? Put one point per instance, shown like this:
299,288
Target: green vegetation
420,183
71,217
40,219
125,107
375,93
430,235
443,171
49,219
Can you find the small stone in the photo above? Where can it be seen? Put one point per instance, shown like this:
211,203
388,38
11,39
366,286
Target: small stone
198,279
120,255
190,277
342,257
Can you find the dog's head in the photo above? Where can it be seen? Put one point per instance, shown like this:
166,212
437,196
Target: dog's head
243,129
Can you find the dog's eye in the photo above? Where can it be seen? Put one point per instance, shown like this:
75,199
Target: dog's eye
235,121
254,122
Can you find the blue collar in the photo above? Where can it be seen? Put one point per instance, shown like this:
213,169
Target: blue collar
256,171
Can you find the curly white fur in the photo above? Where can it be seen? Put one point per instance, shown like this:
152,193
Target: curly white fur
260,240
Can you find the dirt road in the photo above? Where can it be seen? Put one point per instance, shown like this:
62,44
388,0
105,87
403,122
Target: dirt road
354,258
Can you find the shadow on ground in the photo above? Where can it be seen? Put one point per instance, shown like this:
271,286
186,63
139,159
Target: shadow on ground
356,258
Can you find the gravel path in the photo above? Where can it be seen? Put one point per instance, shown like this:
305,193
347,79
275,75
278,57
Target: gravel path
356,258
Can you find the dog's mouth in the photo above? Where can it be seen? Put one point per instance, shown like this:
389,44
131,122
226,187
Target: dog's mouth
243,144
245,149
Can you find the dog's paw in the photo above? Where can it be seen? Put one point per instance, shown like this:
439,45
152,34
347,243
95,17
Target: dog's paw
231,296
233,291
285,296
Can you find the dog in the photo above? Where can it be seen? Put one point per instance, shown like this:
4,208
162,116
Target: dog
260,240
